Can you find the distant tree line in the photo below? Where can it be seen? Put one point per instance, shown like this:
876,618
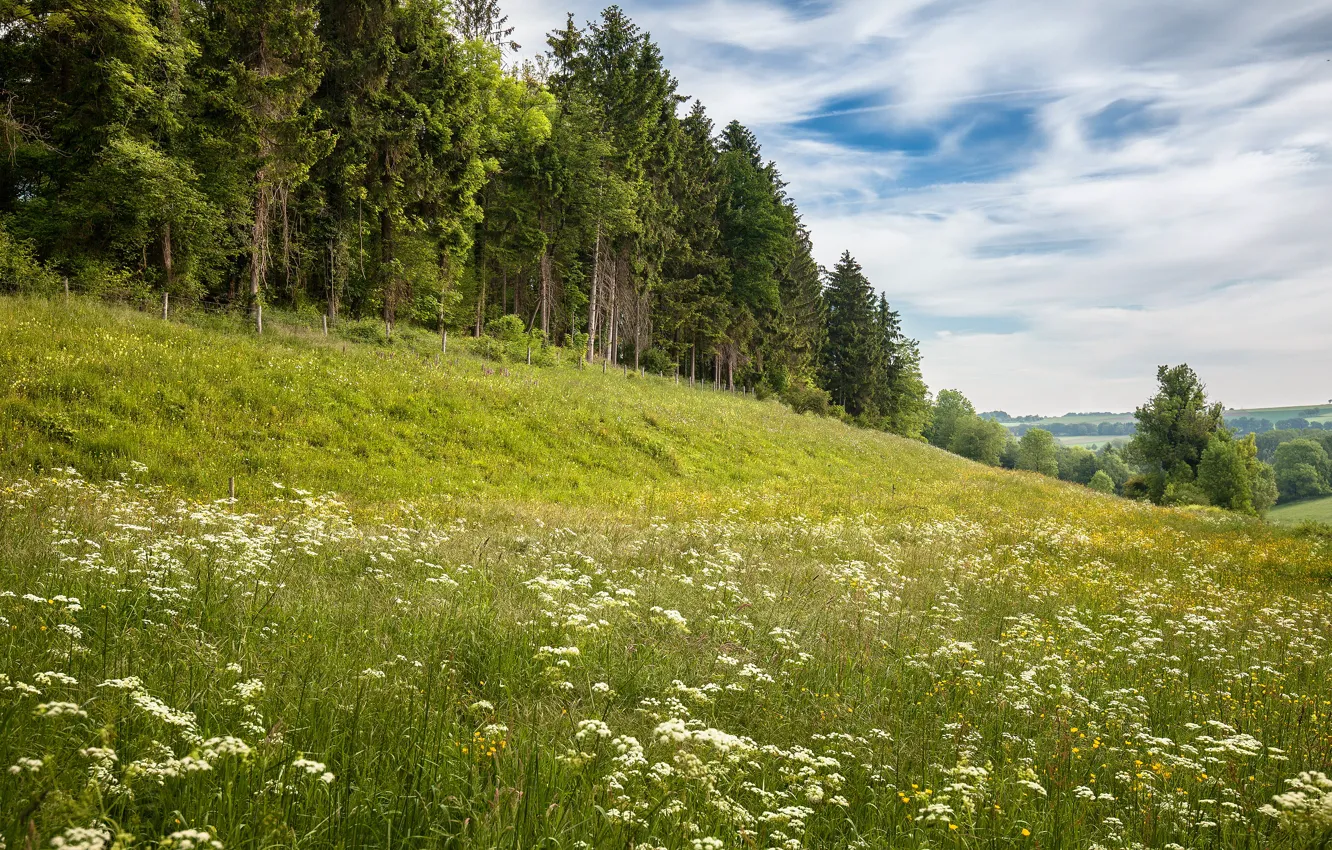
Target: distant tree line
1082,429
1183,451
380,158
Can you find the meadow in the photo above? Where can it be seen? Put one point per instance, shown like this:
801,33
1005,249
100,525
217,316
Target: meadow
471,604
1313,510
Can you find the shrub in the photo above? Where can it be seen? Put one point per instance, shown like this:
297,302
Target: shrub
20,271
804,398
1102,483
1138,487
657,362
1184,493
508,329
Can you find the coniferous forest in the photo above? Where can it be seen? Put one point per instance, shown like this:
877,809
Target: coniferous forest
394,159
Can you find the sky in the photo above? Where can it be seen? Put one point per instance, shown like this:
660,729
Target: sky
1058,195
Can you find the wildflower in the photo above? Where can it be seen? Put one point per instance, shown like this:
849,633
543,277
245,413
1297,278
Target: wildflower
26,765
82,838
312,767
60,709
190,839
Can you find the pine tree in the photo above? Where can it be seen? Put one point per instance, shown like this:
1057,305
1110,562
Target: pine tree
482,20
849,357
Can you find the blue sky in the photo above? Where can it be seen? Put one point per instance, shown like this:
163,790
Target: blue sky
1059,195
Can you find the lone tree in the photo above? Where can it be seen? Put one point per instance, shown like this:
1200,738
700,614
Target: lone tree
1174,429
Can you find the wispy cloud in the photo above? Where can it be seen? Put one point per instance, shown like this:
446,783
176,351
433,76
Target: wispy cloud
1059,194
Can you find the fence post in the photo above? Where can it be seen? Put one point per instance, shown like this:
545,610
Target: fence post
66,292
325,318
166,305
529,355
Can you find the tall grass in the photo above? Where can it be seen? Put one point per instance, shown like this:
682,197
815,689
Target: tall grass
802,635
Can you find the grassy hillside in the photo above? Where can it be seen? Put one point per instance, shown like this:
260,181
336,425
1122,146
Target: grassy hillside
97,389
554,608
1315,510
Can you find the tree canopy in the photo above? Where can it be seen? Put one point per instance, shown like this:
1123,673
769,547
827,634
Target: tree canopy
375,158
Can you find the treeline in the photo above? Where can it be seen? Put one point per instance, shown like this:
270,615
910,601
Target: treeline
1082,429
378,158
1252,425
956,427
1183,451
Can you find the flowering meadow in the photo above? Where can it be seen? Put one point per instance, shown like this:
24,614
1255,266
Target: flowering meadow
187,674
452,607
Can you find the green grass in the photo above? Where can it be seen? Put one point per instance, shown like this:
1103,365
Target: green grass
1090,442
1314,510
561,609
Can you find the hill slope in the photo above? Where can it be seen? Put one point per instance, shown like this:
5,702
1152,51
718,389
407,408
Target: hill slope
562,609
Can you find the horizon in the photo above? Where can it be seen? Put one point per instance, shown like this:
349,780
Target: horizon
976,158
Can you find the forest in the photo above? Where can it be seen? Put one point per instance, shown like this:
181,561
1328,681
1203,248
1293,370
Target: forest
394,159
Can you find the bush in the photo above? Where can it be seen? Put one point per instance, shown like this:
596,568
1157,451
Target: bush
21,272
804,398
1138,487
508,329
657,362
1102,483
1185,493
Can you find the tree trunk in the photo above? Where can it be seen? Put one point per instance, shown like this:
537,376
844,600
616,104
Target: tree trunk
613,332
592,301
258,238
386,264
545,292
168,263
480,285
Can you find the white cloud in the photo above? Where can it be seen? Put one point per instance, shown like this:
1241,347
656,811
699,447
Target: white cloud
1198,233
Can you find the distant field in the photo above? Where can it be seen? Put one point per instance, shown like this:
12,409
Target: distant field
1272,414
1317,510
1090,442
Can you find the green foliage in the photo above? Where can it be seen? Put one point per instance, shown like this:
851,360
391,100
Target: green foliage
657,362
981,440
1177,425
379,159
951,410
1102,483
1038,452
538,590
805,398
1224,476
20,270
1076,464
1303,470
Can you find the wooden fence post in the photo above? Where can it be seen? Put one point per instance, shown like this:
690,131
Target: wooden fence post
259,317
325,318
231,487
529,355
66,292
166,305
